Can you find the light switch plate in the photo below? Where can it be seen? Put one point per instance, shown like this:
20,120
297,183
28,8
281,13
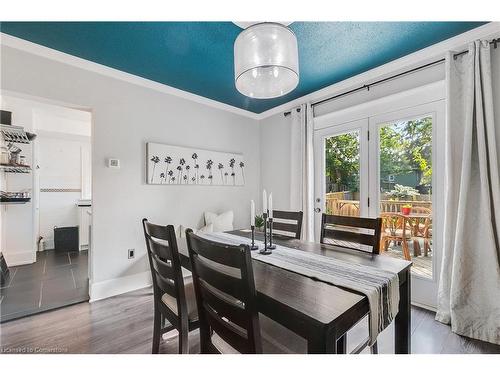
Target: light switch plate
113,163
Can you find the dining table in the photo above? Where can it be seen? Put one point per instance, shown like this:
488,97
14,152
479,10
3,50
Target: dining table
320,312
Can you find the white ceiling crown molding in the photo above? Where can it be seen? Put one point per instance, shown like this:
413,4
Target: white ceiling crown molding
423,56
52,54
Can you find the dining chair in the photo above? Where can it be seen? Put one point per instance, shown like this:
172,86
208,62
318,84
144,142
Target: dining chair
227,300
174,298
356,233
288,223
396,228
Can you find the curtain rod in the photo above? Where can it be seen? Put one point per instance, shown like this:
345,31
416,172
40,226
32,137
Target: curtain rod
367,86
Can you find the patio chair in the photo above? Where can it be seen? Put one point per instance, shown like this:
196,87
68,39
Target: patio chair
348,209
395,228
422,229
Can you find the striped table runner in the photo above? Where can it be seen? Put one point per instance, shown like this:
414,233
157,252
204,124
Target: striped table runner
379,286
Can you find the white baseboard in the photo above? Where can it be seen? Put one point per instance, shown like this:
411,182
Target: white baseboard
109,288
423,306
19,258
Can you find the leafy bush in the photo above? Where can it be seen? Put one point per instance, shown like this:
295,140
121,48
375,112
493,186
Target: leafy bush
403,192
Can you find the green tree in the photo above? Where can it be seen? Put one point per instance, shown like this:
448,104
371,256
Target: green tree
342,161
405,147
417,140
393,158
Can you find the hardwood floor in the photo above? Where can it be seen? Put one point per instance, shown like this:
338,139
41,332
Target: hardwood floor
124,324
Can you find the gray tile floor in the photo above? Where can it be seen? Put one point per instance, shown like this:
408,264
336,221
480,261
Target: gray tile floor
56,279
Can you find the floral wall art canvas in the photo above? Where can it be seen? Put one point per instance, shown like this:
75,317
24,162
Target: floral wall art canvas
175,165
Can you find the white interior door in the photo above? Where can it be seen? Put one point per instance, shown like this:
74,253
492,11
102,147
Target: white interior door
406,174
341,188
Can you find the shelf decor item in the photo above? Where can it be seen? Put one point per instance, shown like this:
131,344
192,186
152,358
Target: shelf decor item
175,165
15,134
265,212
14,200
266,250
252,225
271,245
15,168
14,197
270,220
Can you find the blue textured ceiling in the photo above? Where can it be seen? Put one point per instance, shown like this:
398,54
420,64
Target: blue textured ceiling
198,56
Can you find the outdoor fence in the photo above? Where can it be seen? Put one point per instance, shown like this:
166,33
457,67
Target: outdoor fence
336,205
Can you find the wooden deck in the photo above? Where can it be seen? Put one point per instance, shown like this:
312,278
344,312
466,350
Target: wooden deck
422,265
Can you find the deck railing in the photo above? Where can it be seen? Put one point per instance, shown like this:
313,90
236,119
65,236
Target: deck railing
336,205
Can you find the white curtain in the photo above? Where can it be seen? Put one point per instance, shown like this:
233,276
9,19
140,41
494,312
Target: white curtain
302,168
469,290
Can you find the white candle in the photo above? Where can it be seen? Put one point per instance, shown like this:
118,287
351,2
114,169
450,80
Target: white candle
264,201
252,213
271,205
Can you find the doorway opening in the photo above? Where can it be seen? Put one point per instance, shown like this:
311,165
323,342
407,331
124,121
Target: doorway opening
46,240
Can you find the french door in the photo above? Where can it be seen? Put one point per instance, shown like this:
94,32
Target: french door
389,165
341,170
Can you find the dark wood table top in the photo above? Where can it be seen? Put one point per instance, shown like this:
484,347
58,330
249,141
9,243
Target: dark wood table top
311,300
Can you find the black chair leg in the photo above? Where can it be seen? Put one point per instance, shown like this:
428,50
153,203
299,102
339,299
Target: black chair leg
156,332
374,348
183,342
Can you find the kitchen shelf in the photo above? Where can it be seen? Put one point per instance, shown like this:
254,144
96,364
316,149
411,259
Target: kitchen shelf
14,200
15,134
15,168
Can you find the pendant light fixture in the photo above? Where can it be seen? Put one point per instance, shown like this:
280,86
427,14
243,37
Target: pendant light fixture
266,60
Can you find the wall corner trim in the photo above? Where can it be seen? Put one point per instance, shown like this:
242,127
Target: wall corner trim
113,287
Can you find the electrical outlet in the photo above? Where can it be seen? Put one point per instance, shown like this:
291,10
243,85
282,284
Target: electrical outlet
131,253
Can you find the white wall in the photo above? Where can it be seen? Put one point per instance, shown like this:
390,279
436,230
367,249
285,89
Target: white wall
125,117
59,157
275,137
403,83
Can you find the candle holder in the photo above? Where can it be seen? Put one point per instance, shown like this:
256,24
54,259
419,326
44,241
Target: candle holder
271,245
253,246
265,250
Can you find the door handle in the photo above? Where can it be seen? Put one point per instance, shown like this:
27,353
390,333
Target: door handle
317,210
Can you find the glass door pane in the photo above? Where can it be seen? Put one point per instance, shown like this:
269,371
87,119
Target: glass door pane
341,170
342,174
405,191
